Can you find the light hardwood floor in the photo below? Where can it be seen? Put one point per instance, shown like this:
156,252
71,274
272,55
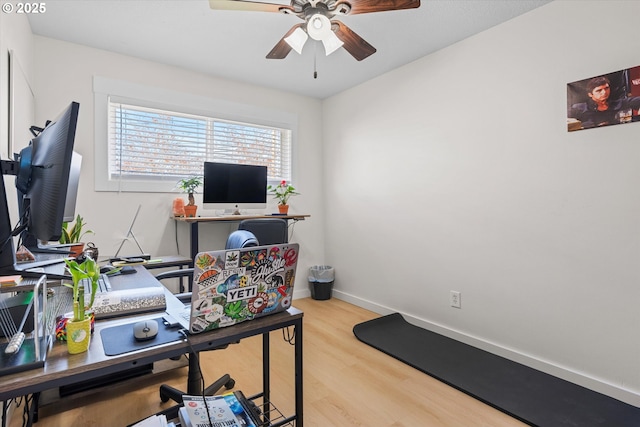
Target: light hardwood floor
346,383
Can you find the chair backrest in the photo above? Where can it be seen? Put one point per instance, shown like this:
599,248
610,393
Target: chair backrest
268,231
241,239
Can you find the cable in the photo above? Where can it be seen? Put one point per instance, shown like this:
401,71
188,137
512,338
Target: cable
292,227
28,401
202,383
175,223
16,230
288,336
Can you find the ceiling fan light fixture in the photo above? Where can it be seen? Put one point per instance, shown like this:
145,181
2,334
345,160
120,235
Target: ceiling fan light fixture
331,43
297,39
319,27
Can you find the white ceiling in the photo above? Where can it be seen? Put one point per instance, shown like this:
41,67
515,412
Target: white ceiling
233,44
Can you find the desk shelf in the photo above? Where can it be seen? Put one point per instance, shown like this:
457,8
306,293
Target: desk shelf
275,418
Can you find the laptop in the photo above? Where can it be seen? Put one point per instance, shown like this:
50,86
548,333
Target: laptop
231,286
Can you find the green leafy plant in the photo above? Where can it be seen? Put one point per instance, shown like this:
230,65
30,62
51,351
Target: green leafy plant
72,232
189,186
87,269
282,192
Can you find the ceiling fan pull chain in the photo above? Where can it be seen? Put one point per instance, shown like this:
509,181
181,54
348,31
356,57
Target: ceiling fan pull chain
315,59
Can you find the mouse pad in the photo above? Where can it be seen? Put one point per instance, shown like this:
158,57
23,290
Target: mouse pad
119,339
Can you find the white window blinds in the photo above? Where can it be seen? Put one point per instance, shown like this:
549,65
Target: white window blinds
152,144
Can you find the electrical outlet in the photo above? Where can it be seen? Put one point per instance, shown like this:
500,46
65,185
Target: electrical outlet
456,299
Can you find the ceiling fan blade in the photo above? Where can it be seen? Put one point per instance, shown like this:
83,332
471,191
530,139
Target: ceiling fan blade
248,5
358,47
282,48
368,6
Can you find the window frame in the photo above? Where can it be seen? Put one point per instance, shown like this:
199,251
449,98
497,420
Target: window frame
106,90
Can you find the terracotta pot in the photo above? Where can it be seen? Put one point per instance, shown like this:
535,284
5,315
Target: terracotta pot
283,209
190,211
76,249
78,336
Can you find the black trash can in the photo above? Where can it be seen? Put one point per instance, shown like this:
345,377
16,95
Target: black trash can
321,278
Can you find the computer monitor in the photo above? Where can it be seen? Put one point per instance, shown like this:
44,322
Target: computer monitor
234,186
42,179
72,188
28,239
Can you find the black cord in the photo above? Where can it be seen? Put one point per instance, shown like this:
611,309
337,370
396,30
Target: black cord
288,336
18,228
202,383
28,401
175,223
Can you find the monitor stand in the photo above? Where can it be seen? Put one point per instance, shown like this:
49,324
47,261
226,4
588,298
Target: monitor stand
52,265
30,242
233,211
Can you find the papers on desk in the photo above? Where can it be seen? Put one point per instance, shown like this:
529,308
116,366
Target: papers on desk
154,421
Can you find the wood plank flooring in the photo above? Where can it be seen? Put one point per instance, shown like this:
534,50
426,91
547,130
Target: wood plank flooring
346,383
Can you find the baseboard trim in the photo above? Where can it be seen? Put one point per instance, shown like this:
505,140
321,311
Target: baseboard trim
595,384
299,294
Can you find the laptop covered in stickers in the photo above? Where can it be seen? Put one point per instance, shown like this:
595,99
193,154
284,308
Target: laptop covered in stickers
231,286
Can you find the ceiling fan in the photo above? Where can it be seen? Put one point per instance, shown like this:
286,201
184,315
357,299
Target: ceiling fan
318,24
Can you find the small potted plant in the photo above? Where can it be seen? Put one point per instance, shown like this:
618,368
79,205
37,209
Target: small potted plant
78,328
189,186
73,232
282,192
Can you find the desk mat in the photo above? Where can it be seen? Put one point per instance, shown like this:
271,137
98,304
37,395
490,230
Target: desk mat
532,396
119,339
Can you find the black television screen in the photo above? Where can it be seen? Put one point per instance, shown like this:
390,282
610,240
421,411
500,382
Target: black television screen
234,186
42,171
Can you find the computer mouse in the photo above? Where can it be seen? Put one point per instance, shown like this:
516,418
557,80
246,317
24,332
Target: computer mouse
145,330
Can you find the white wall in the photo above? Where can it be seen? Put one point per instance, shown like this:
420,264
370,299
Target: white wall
68,76
15,37
456,172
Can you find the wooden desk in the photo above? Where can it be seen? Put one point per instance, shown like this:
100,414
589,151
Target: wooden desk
62,369
194,222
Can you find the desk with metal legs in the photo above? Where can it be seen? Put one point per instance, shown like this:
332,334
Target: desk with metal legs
194,222
63,369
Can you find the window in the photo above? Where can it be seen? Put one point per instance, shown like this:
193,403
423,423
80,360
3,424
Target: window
148,144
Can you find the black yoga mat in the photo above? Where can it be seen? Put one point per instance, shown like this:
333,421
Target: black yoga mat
119,339
534,397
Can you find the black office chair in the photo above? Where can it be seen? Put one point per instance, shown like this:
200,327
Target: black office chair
237,239
268,231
